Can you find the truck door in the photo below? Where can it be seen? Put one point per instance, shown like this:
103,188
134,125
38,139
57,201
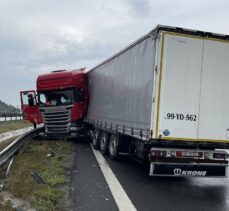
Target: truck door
30,110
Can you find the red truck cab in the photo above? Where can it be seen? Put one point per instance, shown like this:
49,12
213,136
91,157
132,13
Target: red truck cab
60,102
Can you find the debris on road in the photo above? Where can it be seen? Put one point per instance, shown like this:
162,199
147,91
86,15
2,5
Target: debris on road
1,187
9,167
37,177
51,153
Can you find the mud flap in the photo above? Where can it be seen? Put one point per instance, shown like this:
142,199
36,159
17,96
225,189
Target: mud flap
187,170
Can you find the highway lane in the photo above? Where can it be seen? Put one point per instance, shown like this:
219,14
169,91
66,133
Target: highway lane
170,193
146,193
88,188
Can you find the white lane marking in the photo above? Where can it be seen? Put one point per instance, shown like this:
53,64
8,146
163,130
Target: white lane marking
11,134
122,200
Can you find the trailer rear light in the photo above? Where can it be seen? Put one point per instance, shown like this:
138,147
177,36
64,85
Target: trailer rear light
158,153
207,155
188,154
220,156
200,154
173,154
178,154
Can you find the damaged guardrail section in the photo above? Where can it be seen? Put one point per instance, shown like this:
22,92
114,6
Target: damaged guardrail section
12,148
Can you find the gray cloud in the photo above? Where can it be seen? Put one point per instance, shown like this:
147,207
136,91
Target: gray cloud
40,36
139,8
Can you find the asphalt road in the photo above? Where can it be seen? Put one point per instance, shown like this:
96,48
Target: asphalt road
91,192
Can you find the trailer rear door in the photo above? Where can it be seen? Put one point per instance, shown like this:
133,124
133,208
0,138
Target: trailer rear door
214,97
193,100
179,87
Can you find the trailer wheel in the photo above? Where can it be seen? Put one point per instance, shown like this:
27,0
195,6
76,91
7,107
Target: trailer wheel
89,135
104,141
96,138
114,147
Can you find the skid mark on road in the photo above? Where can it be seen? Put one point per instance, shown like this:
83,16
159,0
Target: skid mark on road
122,200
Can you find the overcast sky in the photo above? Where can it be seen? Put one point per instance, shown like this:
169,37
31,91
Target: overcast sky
45,35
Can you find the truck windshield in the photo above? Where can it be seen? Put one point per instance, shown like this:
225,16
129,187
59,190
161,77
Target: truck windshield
56,97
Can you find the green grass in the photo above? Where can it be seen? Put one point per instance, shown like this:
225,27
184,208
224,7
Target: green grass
13,125
45,197
5,205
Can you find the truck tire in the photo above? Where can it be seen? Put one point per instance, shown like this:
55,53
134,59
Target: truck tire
113,147
89,135
96,138
104,141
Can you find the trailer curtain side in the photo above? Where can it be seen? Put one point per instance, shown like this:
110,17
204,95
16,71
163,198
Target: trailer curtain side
121,90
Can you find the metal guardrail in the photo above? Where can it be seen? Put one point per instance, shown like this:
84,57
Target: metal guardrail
12,148
10,116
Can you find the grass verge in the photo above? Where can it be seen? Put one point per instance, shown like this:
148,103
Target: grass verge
6,206
53,170
13,125
4,143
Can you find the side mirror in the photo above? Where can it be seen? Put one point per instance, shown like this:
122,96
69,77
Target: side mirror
81,96
31,100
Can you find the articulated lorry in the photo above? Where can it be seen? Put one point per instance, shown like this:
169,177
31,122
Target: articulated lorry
60,102
164,99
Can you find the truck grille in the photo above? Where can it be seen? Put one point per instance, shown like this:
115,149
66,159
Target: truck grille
56,120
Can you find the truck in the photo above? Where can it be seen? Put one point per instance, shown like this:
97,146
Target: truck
59,102
164,100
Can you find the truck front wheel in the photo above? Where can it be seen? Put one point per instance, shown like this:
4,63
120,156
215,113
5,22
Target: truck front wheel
114,147
96,138
104,140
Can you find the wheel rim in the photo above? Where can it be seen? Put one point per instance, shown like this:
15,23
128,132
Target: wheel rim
90,134
113,146
102,145
95,139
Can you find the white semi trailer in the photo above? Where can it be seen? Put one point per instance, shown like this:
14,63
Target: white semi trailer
165,99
